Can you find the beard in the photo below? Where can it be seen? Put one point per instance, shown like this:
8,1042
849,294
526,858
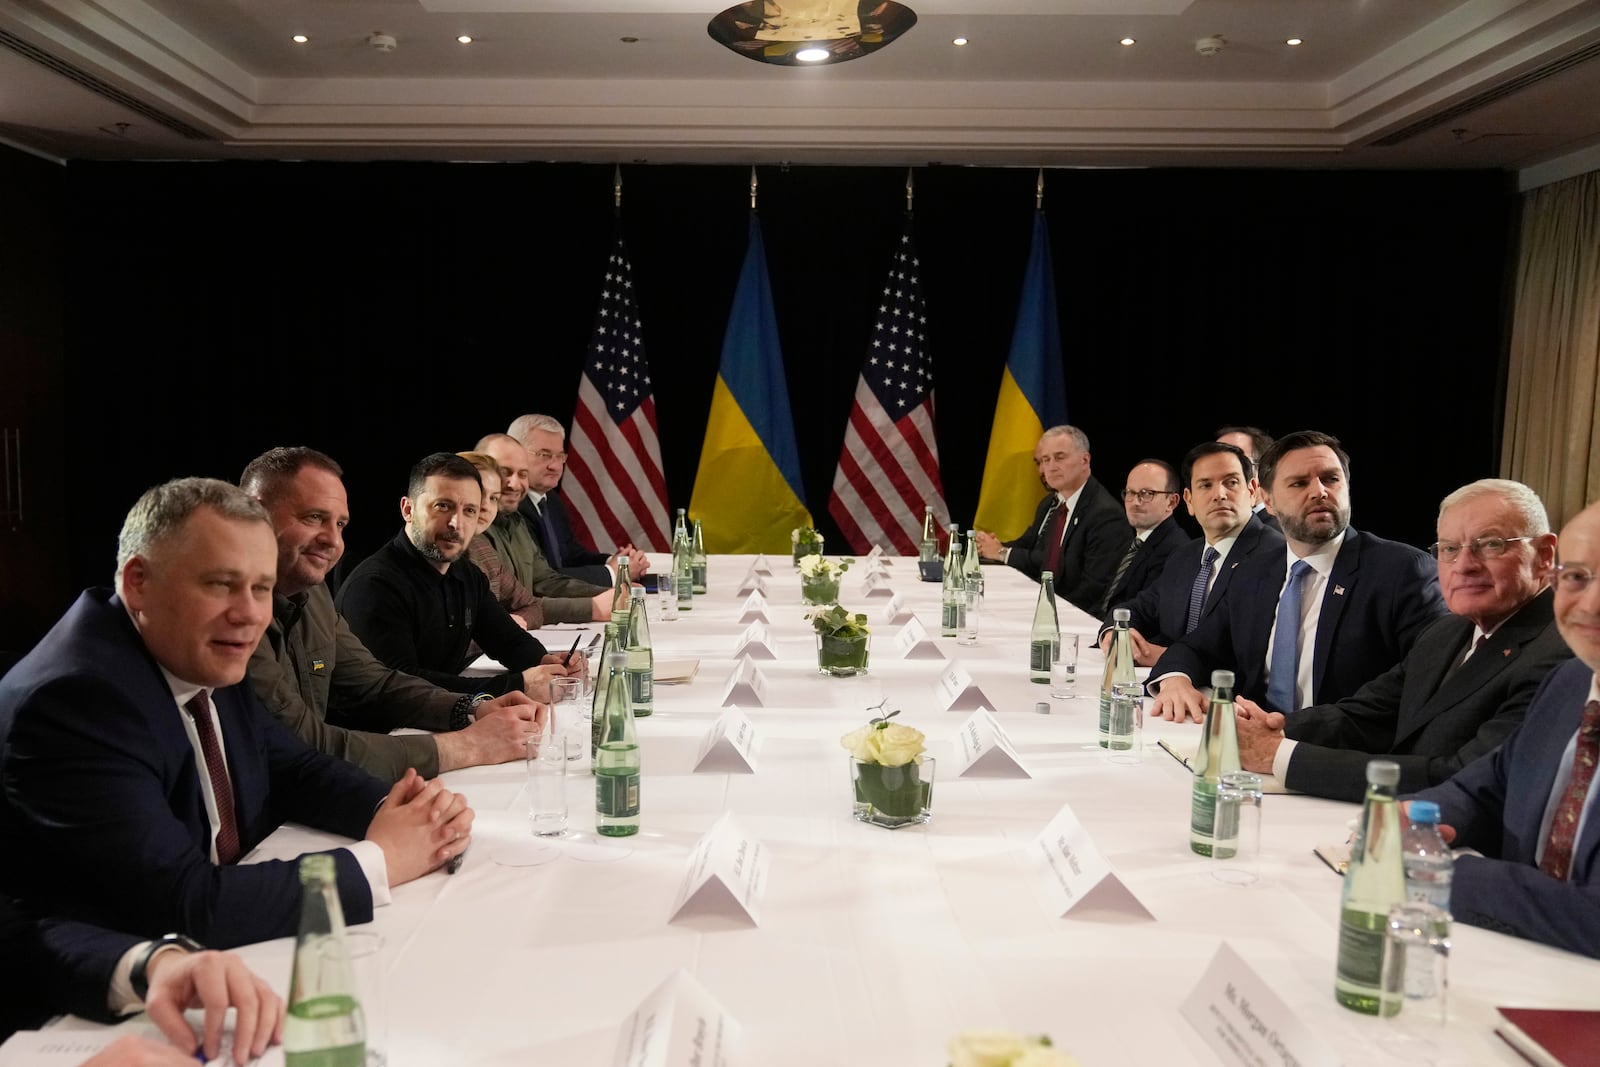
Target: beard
429,548
1301,529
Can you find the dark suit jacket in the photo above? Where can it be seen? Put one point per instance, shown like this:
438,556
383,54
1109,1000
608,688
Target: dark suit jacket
1161,609
577,559
52,967
1429,723
1496,806
1379,597
1147,562
103,797
1097,534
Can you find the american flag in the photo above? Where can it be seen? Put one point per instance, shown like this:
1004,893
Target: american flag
889,467
615,485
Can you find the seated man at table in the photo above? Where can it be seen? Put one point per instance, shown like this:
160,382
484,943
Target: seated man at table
317,676
1219,485
1149,498
1465,684
1253,441
60,966
510,535
1529,807
417,602
1314,624
545,510
137,767
1079,531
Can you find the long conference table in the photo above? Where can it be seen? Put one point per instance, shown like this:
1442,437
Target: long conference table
876,946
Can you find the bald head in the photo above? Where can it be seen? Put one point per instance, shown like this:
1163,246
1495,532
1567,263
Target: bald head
1577,593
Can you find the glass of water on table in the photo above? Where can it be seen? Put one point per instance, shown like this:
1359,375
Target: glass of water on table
1064,669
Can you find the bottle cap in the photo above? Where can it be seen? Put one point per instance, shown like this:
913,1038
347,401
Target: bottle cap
1424,811
1121,615
1221,679
1383,772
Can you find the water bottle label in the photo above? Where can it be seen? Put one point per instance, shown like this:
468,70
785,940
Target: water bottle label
616,796
641,686
1360,954
950,617
1203,811
1040,656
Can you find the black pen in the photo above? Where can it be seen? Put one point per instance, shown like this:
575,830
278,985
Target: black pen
454,863
568,661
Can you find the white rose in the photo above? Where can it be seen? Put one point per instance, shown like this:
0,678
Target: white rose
899,745
985,1048
810,565
859,743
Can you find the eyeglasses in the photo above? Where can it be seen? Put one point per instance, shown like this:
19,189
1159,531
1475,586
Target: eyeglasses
1482,547
1573,577
1144,496
544,455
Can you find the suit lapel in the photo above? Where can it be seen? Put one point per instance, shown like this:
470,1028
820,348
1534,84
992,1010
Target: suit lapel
1536,771
1429,670
1341,582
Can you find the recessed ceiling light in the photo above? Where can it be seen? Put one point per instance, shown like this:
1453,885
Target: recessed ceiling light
1293,41
959,41
300,38
463,39
628,40
811,55
1128,42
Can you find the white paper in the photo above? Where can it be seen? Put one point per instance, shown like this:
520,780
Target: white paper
876,585
1073,870
895,611
1243,1021
913,642
985,750
753,583
59,1046
730,745
755,609
755,643
761,566
727,873
875,554
958,692
746,685
680,1024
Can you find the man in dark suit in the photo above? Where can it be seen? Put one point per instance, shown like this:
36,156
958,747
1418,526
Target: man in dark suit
546,512
1529,807
1315,624
1253,441
1465,684
1219,486
1148,499
137,769
1079,531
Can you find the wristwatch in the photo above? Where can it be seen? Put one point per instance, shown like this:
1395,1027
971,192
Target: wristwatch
465,710
139,977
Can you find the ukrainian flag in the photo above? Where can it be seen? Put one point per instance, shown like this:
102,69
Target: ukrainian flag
747,490
1033,396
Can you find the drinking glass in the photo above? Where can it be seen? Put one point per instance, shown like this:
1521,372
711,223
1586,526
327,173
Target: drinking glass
547,755
363,954
667,595
1236,829
569,714
1126,735
1416,959
972,595
1064,670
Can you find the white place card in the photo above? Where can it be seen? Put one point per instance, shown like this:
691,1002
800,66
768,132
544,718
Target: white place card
761,566
1073,870
730,745
958,692
1243,1021
876,554
754,609
876,585
753,583
985,749
678,1025
746,685
895,611
755,643
727,873
913,641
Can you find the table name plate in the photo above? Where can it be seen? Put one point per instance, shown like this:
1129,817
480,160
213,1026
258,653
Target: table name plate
895,611
986,750
1074,870
760,564
957,691
678,1025
1243,1021
746,685
753,583
755,643
754,609
876,585
730,745
913,641
727,873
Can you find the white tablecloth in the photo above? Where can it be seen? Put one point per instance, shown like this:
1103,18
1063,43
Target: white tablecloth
874,946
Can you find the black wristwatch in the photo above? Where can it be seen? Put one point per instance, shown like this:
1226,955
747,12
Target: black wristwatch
139,977
463,713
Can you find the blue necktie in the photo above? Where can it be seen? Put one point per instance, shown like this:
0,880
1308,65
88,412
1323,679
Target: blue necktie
1197,591
1285,665
552,548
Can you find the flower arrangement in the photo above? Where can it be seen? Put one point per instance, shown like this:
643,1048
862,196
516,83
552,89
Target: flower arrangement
834,621
1002,1048
891,778
819,579
807,542
823,567
843,641
886,743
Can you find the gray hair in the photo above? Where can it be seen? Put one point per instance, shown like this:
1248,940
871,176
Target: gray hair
1524,501
523,424
162,511
1080,440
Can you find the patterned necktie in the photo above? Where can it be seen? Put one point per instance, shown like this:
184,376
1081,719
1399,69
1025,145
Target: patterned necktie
1122,569
1058,529
1285,664
1197,591
552,548
1557,861
199,709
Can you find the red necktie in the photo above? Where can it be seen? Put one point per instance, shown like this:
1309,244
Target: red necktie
199,710
1058,526
1557,862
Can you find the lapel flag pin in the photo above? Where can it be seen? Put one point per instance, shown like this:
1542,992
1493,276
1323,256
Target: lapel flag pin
1338,590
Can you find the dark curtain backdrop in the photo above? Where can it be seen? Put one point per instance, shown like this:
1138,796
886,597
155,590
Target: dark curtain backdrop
382,311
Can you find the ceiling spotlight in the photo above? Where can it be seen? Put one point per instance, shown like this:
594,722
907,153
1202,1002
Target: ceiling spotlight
383,42
1127,42
811,55
1291,42
300,38
806,32
959,41
463,39
628,40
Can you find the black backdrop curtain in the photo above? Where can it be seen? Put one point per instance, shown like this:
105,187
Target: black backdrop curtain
382,311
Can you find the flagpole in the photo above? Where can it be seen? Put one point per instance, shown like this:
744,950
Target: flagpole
1038,192
910,192
752,188
616,187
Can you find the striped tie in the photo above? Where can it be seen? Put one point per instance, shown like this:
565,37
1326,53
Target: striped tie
1557,860
1197,590
1285,664
199,709
1116,580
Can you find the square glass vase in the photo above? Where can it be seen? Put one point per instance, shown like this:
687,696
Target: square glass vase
821,590
892,797
812,546
843,657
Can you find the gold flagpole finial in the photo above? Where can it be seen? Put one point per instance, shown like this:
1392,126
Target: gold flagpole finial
910,192
752,188
1038,192
616,185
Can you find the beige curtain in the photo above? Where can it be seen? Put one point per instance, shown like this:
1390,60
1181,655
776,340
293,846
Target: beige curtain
1553,385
